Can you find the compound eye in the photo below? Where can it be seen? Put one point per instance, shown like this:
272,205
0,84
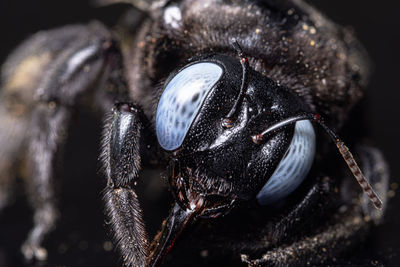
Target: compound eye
181,101
294,166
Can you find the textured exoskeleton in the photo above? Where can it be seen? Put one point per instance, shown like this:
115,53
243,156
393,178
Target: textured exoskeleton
270,62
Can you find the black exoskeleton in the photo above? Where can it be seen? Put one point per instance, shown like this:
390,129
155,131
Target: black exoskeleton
227,96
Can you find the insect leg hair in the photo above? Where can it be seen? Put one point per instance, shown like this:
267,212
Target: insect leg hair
121,159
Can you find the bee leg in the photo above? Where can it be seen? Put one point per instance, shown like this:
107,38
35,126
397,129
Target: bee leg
43,80
47,136
122,161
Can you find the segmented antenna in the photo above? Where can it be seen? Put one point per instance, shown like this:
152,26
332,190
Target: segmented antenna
343,149
365,185
351,162
228,120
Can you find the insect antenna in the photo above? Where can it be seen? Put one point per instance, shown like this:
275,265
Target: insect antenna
228,120
343,149
352,164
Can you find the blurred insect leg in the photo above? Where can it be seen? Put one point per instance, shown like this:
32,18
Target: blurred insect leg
121,159
47,75
47,137
12,135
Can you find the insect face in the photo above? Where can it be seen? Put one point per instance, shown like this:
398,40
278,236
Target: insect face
207,117
209,159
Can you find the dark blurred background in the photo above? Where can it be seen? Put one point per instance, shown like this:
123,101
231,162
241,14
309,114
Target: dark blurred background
80,238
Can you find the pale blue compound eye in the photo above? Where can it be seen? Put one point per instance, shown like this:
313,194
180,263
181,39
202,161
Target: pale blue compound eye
181,101
294,166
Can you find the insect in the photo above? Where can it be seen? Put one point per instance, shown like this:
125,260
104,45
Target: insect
227,96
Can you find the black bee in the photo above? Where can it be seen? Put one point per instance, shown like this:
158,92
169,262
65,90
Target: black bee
239,101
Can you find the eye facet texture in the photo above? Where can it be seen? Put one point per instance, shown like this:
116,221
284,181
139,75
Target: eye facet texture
181,102
294,166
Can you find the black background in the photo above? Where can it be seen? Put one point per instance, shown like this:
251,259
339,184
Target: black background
80,235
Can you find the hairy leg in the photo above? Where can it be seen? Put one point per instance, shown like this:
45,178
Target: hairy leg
121,158
42,81
47,136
